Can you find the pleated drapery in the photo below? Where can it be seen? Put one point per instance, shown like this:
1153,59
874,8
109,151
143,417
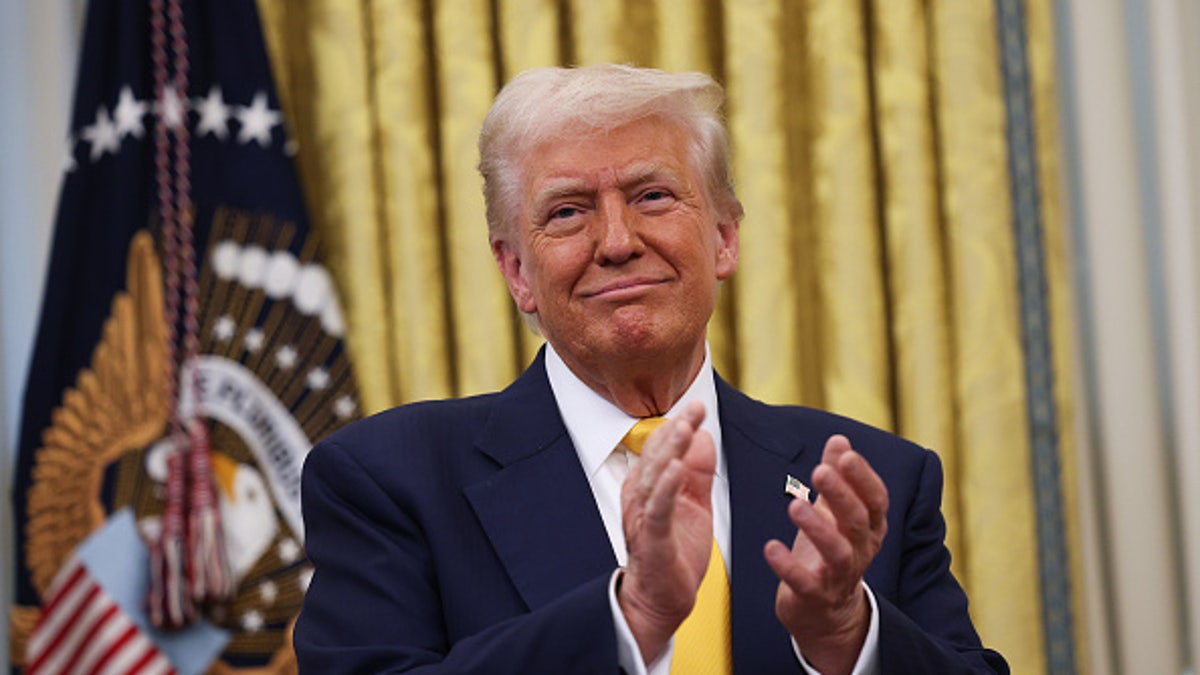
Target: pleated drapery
881,266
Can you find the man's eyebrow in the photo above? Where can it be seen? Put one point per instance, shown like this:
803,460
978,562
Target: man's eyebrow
561,187
647,172
557,188
628,178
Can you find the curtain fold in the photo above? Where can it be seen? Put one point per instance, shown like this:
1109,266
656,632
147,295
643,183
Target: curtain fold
483,338
992,463
918,293
412,285
878,275
848,256
768,320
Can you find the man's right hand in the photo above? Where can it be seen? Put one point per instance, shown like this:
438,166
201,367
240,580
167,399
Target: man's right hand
666,505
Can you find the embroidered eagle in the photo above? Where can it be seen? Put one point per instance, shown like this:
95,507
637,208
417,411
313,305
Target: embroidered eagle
271,349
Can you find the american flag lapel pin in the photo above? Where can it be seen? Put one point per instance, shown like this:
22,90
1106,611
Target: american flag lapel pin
795,488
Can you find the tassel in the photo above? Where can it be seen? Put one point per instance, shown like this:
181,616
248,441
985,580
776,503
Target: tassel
208,561
170,606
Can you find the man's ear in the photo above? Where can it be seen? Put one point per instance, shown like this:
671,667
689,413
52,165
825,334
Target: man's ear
728,246
508,258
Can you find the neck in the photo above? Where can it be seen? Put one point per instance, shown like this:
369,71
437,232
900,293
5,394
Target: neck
641,386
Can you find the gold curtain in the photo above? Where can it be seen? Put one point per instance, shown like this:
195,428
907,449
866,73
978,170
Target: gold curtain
878,274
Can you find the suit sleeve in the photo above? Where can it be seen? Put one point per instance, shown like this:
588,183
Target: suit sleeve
374,604
925,627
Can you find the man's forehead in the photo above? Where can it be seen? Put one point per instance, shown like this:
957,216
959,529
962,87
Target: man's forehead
630,152
570,179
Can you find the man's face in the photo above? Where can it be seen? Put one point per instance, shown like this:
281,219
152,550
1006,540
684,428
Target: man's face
616,246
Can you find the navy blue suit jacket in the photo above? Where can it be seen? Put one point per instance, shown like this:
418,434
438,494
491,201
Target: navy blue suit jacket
461,536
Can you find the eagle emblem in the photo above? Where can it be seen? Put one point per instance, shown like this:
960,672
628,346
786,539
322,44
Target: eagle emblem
273,378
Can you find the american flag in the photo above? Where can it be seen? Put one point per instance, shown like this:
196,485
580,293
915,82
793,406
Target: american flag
83,630
93,619
271,373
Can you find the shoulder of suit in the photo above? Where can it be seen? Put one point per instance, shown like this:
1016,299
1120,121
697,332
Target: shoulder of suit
417,420
758,419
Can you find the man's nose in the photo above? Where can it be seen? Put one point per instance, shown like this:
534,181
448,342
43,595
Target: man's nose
618,236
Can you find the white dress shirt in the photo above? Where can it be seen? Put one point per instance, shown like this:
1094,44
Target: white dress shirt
596,428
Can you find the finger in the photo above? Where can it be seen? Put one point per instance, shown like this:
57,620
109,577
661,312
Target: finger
799,567
660,506
701,459
790,570
664,444
836,446
669,440
842,504
866,483
822,533
675,436
693,413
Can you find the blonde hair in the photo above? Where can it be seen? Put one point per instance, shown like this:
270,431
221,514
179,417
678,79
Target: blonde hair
547,103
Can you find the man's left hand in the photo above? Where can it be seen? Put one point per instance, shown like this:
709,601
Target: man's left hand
821,599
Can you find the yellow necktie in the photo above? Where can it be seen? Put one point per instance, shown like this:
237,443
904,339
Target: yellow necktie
702,643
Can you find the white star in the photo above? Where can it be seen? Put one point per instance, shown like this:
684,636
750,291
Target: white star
289,551
257,120
344,406
102,135
214,114
318,379
286,357
254,340
253,621
268,591
171,107
129,113
224,328
305,578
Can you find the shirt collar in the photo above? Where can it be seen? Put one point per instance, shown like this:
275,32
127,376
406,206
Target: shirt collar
596,426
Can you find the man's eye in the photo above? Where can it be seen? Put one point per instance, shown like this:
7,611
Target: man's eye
563,213
654,195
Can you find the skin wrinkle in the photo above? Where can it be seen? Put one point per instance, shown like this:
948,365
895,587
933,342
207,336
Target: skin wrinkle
619,253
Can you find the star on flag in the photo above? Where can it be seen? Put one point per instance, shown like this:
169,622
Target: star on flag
171,107
102,134
129,113
257,119
214,114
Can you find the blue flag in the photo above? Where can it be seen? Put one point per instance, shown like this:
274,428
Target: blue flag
262,345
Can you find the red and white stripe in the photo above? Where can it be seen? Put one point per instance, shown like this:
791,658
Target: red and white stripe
82,630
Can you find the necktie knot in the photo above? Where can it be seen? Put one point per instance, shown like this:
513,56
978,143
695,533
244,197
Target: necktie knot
636,438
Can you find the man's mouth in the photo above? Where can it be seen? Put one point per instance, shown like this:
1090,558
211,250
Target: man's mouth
623,288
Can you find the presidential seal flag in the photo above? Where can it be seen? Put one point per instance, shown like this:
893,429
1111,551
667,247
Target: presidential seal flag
189,353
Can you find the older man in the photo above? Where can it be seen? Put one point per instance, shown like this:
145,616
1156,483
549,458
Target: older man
537,530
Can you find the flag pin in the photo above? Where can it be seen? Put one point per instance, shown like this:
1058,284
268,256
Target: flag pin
795,488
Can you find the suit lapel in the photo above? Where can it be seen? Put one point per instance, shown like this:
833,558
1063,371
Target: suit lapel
759,456
537,509
539,513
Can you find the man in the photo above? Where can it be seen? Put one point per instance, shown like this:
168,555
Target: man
519,532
